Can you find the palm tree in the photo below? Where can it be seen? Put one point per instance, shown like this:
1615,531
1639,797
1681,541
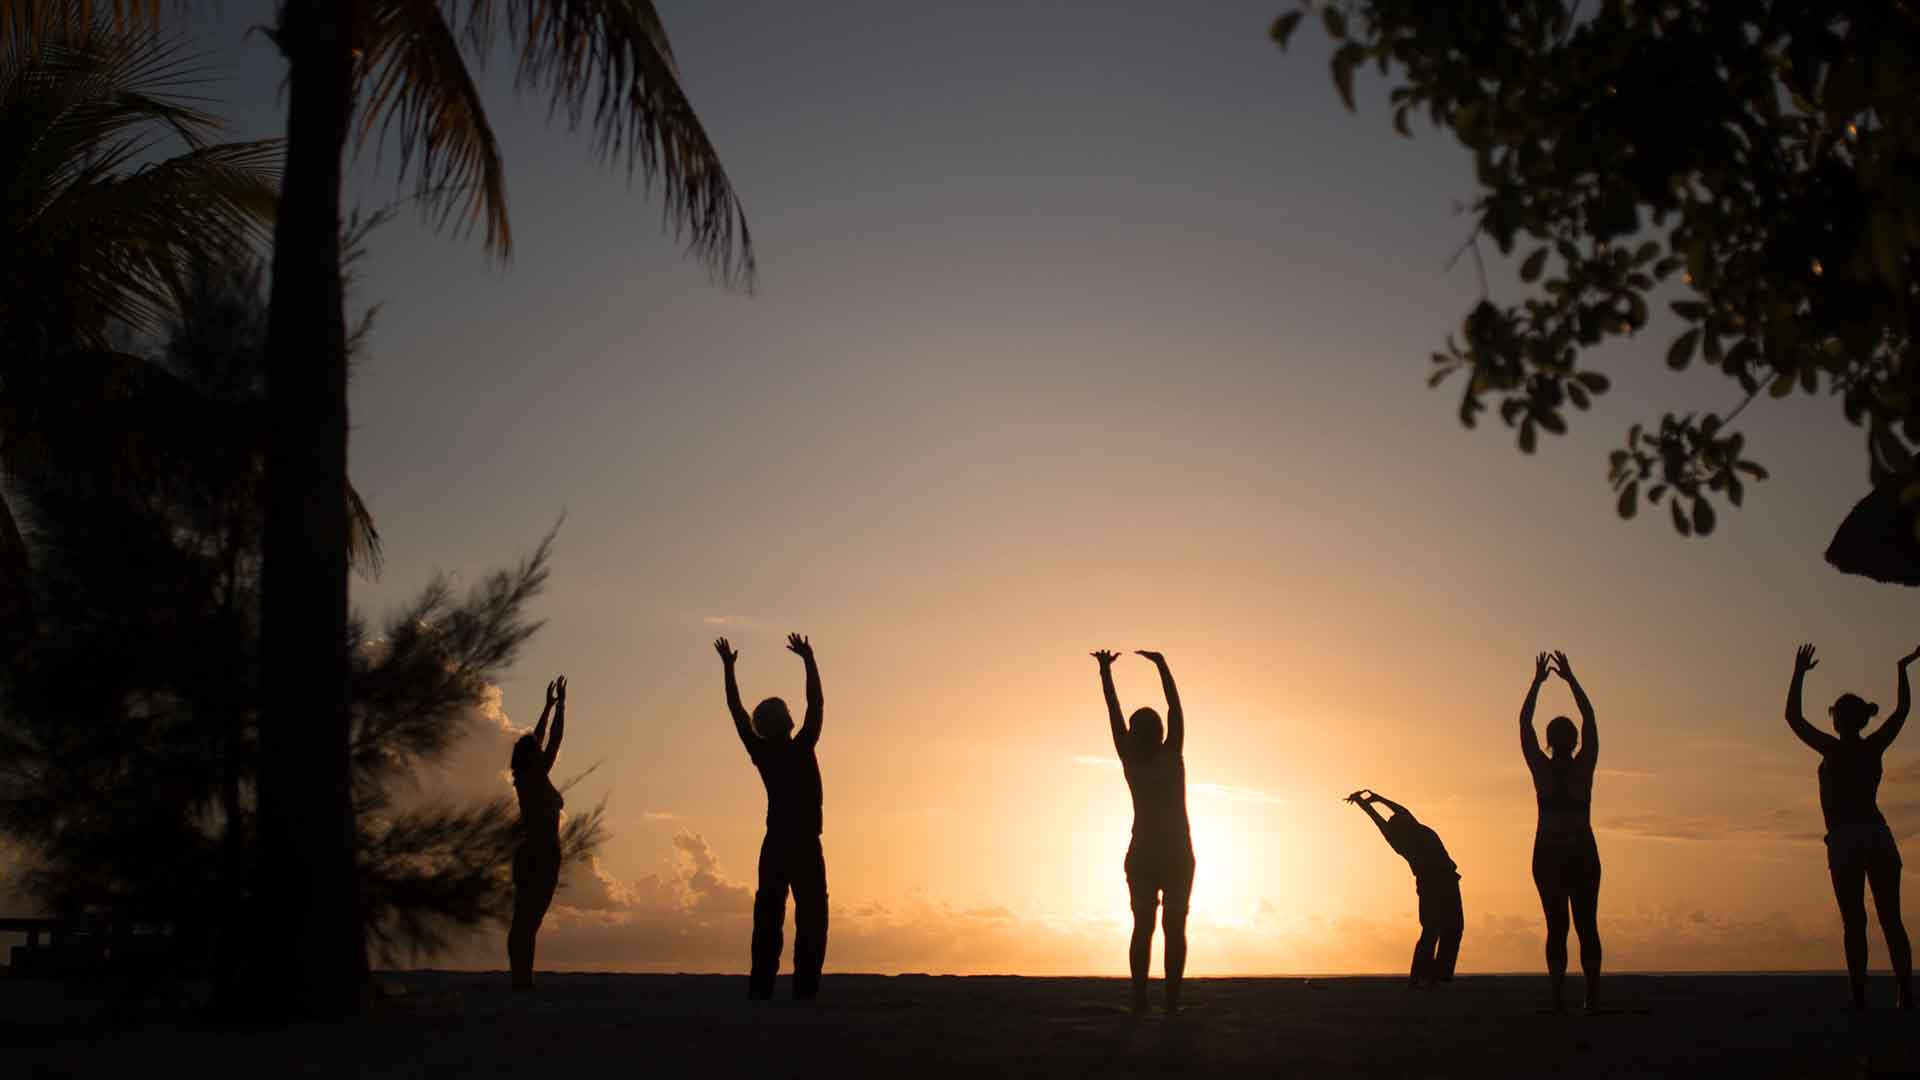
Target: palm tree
99,235
402,65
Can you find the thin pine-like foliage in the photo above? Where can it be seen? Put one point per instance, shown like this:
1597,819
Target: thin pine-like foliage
129,728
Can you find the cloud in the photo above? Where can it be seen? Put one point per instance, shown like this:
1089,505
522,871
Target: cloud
697,886
1787,824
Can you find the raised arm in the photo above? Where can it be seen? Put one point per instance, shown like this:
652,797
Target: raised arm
557,701
1890,730
1589,731
1114,720
1398,810
1364,800
1176,720
540,729
1804,662
1529,739
741,722
810,727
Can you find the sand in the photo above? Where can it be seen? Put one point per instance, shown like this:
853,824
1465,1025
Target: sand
440,1024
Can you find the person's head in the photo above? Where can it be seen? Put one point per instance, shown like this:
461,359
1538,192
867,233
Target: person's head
1561,736
526,756
1851,712
1143,728
772,720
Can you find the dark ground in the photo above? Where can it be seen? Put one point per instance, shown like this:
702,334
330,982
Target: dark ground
594,1027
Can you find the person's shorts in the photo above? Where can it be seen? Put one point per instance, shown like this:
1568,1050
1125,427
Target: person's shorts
1862,848
1154,878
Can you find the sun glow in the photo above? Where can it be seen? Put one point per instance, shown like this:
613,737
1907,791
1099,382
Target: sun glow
1223,852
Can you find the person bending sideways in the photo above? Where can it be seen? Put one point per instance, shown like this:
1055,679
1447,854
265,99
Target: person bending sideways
1159,862
1436,882
790,856
536,862
1860,847
1566,861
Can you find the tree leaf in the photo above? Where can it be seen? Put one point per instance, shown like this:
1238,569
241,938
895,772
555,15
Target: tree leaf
1284,26
1629,504
1681,352
1594,381
1702,516
1527,437
1530,270
1345,59
1680,523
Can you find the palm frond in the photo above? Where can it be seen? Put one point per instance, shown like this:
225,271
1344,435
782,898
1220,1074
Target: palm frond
30,20
97,232
121,243
418,90
604,66
363,539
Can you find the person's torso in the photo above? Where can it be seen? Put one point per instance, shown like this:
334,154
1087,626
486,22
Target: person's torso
1564,791
540,804
791,774
1850,784
1158,783
1426,856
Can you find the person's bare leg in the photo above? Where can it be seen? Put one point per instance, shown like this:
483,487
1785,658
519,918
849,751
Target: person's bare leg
1173,920
1140,950
1555,908
1585,903
1885,882
1849,891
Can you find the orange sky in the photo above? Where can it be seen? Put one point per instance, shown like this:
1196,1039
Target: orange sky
1085,327
1089,328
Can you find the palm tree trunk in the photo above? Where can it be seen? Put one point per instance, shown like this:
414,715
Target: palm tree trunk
308,895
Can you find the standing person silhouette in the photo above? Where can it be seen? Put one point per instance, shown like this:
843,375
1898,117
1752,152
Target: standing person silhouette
1860,847
1159,861
536,863
1566,861
1435,880
790,856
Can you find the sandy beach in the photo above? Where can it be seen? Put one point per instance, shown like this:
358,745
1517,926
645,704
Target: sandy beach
439,1024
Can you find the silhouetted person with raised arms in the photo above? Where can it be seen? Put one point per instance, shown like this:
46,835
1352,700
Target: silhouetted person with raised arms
1159,861
1566,861
1860,847
1435,880
790,856
536,864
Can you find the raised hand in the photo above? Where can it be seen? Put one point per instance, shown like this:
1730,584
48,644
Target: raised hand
557,692
1804,662
1361,797
1561,667
1540,668
1106,657
1910,657
1151,655
798,645
728,654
